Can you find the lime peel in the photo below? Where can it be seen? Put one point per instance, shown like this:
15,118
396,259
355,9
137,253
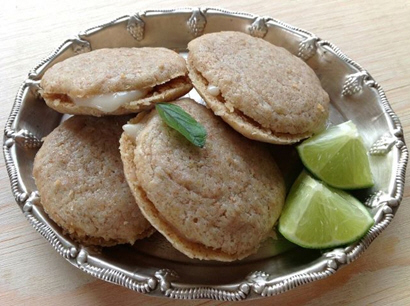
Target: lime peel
318,216
338,156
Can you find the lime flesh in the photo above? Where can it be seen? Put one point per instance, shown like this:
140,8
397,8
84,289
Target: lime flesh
317,216
338,157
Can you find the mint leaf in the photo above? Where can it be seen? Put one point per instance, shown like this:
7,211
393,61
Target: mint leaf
178,119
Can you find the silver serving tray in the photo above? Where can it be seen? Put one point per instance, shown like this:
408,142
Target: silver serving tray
152,266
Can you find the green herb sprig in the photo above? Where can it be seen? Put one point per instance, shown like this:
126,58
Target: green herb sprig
178,119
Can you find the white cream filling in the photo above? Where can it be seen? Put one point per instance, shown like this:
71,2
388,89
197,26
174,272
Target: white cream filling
131,130
213,90
110,102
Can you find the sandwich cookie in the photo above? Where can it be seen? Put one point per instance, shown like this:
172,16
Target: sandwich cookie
261,90
115,81
218,202
79,175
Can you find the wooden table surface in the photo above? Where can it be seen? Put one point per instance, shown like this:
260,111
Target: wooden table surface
374,33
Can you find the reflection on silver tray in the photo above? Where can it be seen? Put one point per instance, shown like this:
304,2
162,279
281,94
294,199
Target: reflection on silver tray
152,266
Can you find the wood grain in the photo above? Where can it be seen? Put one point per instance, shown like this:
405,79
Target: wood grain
376,34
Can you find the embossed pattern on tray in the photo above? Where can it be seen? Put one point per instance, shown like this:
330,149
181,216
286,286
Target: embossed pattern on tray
152,266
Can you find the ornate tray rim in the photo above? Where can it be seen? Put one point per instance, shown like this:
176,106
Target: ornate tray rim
164,280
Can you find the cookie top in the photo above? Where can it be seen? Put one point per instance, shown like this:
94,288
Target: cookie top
147,72
79,174
262,90
218,202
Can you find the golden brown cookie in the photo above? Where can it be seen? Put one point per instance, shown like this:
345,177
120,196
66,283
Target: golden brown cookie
115,81
79,174
261,90
216,203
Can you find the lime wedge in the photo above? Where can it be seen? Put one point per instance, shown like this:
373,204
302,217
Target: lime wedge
317,216
338,157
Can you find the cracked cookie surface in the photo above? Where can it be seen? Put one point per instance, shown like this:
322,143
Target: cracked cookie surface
158,74
218,202
79,175
265,92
